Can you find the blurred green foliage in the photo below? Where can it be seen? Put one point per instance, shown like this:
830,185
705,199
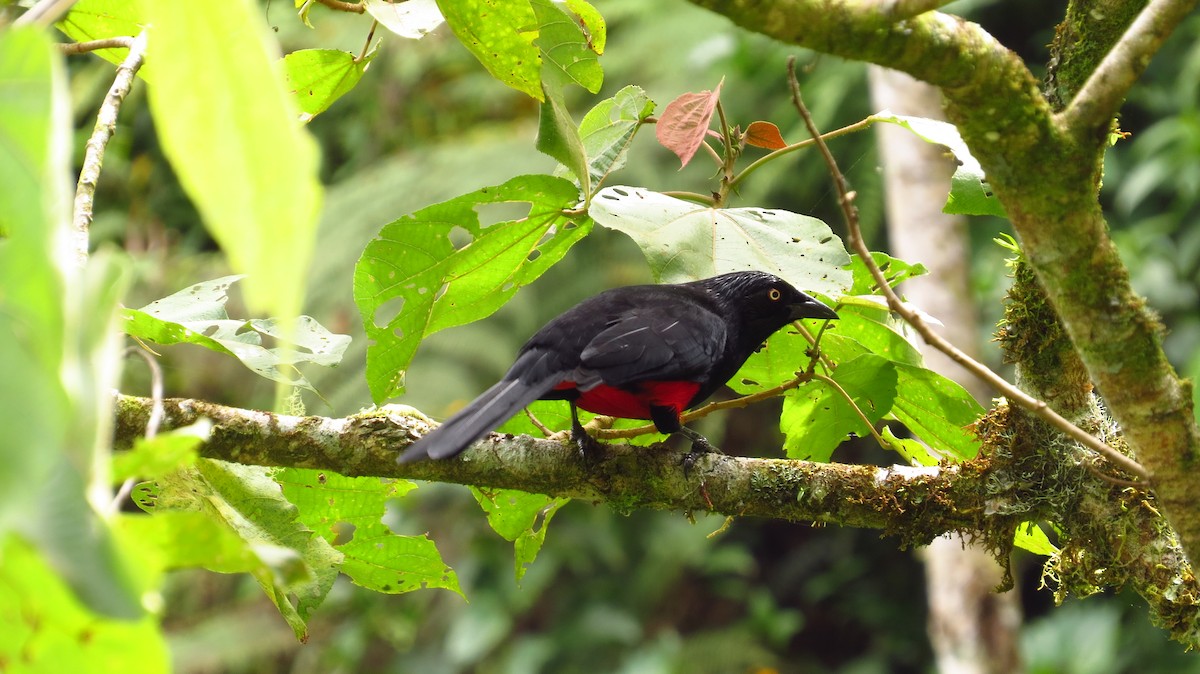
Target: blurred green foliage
647,591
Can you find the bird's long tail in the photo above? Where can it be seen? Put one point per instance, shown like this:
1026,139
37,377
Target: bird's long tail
483,414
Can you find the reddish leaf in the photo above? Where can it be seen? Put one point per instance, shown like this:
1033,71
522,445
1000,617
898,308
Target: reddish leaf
684,122
765,135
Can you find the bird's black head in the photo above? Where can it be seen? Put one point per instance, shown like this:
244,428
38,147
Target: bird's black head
764,301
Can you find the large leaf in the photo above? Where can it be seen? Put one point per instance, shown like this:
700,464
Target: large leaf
441,267
100,19
817,418
318,77
347,512
46,629
500,34
687,241
196,315
937,410
292,565
969,190
232,134
521,518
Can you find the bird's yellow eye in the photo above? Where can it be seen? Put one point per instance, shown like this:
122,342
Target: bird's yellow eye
773,294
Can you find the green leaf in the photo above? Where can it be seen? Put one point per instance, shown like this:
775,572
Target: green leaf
816,418
594,27
441,267
295,568
500,33
318,77
46,629
776,363
686,241
913,451
970,193
521,518
163,454
896,271
231,132
196,315
608,130
877,331
559,138
347,512
937,410
413,19
184,540
99,19
1029,536
35,411
566,55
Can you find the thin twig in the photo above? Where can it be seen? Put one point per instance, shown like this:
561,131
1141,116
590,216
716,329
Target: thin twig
850,213
356,7
1097,101
69,48
367,45
153,422
93,158
44,13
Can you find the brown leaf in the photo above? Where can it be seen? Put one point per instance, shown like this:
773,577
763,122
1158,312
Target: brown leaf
765,135
684,122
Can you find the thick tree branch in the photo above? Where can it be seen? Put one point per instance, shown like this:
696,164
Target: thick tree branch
1093,107
1047,180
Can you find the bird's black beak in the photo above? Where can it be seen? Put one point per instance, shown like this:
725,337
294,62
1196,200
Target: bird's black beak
810,307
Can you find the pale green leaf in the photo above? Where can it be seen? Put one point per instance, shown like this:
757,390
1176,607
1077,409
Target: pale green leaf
100,19
559,137
913,451
233,136
594,26
937,410
608,130
896,271
413,19
685,241
1029,536
970,193
162,454
196,315
566,54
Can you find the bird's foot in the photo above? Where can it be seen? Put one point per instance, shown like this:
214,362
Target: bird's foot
700,447
589,448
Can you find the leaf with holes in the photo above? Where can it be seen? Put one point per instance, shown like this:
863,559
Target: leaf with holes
683,124
441,267
521,518
196,315
970,193
684,241
895,270
347,512
765,135
817,418
500,34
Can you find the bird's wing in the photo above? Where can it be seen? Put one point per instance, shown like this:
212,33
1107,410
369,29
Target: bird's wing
657,342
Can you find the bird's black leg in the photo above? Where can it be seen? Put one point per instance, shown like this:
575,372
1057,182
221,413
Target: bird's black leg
589,447
666,420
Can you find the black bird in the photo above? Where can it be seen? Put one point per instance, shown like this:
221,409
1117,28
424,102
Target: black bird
638,352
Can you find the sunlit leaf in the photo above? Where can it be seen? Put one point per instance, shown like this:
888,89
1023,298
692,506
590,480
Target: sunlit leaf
684,241
817,418
318,77
100,19
521,518
413,19
608,130
566,53
1029,536
500,34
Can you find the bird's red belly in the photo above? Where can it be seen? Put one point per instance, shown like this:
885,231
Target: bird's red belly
634,403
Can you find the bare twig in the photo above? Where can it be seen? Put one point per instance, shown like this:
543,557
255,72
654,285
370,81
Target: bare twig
850,213
93,158
1094,106
69,48
356,7
44,13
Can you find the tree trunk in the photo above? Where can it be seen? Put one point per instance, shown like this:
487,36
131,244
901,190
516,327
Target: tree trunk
973,629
